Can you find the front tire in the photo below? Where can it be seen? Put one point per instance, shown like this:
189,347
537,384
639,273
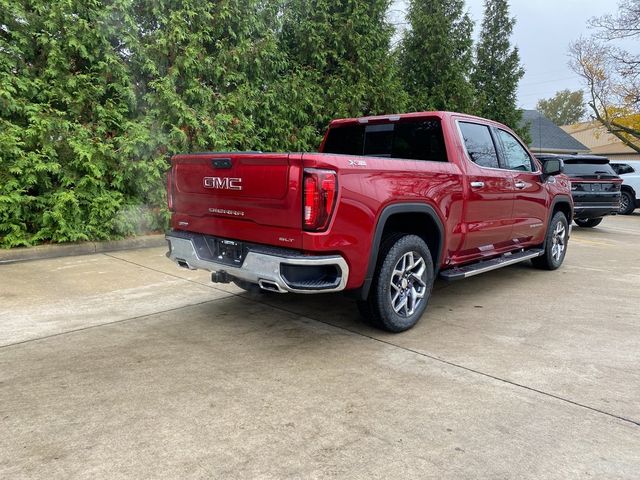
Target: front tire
588,222
555,244
627,203
402,284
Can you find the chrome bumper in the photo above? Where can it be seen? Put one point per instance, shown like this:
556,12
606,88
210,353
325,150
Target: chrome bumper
262,268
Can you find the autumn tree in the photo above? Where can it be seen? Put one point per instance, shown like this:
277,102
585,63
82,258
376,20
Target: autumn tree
497,70
611,73
435,56
564,108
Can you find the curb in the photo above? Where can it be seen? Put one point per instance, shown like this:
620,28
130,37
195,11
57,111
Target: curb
41,252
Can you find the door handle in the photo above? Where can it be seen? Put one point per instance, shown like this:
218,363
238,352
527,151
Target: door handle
520,185
477,184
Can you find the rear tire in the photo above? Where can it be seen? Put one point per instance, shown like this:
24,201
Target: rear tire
588,222
555,244
627,203
401,285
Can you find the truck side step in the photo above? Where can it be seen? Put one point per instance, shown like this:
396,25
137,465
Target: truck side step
505,260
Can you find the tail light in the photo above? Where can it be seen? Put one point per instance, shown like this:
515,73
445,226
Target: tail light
320,192
170,190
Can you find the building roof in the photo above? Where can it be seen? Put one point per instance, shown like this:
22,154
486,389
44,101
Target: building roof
548,137
598,139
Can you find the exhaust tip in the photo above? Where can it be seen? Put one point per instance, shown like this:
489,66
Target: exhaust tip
270,286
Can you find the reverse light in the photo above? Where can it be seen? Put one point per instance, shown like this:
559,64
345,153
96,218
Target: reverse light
319,198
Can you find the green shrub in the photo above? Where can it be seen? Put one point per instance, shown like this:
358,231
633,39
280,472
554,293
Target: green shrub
96,95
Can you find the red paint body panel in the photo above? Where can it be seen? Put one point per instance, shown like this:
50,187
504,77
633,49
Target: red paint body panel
365,191
262,212
268,210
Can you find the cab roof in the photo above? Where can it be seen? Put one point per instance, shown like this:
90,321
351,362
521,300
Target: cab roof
412,115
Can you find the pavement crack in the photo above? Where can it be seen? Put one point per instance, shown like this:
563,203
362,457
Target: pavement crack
462,367
122,320
249,297
213,287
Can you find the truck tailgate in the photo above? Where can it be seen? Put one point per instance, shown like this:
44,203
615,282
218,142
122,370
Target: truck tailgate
245,196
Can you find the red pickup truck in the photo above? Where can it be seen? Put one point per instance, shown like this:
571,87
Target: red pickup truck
389,203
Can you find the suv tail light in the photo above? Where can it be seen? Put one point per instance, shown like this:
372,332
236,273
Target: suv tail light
320,192
170,190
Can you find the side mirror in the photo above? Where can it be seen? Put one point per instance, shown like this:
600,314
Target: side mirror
553,166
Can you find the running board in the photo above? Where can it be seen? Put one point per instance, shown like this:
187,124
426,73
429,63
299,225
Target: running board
505,260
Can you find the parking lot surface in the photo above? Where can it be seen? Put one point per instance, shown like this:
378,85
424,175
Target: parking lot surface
122,365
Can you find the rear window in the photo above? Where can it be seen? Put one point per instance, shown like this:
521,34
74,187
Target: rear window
413,140
584,169
345,140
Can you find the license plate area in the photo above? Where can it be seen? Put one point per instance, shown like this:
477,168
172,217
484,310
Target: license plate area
228,252
220,250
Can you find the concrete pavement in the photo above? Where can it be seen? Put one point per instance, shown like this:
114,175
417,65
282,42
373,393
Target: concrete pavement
121,365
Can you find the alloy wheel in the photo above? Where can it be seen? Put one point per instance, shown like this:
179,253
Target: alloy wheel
559,240
408,284
624,203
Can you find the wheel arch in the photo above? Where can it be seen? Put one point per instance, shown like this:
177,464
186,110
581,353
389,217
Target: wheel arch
630,189
401,218
635,201
561,203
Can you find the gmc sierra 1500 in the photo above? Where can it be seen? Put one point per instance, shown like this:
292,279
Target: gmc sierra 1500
388,203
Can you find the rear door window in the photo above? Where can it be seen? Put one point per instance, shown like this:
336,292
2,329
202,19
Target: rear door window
622,168
479,144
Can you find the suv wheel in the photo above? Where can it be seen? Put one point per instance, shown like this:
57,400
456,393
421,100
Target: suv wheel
555,244
627,203
588,222
402,284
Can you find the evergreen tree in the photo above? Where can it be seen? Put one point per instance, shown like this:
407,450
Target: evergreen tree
96,94
203,67
66,104
436,56
497,68
340,59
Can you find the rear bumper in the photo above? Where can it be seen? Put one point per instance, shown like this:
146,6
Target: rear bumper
271,268
585,211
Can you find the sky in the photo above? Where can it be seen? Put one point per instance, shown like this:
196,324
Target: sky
544,29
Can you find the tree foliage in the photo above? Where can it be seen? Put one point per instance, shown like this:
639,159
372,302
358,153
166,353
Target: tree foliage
497,70
611,73
564,108
67,113
339,56
96,94
436,56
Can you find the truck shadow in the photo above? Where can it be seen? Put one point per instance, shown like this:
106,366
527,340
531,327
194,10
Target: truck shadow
456,298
